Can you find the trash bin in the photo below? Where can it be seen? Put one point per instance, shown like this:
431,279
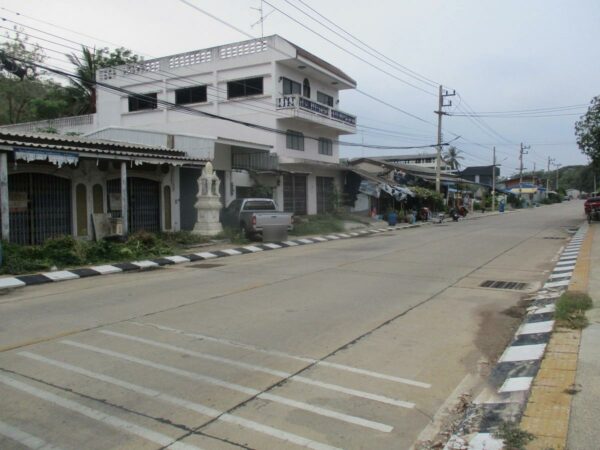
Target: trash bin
275,233
392,219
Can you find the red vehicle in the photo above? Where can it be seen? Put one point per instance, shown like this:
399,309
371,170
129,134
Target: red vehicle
592,208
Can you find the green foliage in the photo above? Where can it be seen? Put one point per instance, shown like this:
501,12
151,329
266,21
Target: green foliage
86,66
429,196
570,309
513,437
35,96
67,251
587,131
318,224
235,235
452,157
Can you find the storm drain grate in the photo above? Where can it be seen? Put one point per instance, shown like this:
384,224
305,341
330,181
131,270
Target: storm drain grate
553,237
496,284
205,266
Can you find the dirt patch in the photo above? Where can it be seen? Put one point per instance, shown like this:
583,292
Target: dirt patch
497,328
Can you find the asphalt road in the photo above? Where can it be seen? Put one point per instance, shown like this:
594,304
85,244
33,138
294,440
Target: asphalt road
359,343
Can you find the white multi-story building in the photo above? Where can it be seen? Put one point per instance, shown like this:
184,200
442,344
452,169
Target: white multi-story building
265,111
287,96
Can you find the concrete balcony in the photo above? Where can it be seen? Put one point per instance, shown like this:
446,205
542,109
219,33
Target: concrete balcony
298,107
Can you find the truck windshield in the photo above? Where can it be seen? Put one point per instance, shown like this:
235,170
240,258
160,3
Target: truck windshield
259,205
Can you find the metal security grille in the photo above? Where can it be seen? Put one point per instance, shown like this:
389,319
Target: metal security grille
325,189
493,284
40,207
294,194
144,203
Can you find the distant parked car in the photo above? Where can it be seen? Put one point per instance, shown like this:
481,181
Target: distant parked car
252,215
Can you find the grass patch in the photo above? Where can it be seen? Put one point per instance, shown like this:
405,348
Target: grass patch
513,437
67,251
571,308
319,224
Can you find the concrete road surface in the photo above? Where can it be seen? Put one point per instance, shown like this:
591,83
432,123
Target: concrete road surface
363,343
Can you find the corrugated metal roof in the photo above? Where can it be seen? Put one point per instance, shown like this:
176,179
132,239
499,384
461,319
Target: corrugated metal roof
92,146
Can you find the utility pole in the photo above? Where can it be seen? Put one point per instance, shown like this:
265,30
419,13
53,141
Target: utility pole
521,153
557,167
494,180
438,162
550,161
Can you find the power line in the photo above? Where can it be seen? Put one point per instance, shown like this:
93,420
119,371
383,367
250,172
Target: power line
173,106
393,65
415,75
346,50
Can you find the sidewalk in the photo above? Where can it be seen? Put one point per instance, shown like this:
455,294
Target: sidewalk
584,432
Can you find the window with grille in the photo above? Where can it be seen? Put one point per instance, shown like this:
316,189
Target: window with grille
324,98
245,88
291,87
142,102
196,94
295,140
325,146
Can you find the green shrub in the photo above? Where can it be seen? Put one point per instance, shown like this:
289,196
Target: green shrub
570,309
513,437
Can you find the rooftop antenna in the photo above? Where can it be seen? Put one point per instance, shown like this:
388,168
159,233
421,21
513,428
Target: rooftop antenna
263,16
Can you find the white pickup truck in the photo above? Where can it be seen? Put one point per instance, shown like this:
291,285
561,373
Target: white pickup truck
252,215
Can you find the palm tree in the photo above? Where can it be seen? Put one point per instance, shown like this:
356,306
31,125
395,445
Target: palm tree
86,67
452,157
84,87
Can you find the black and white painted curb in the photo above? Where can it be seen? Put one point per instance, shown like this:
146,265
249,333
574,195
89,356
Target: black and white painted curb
510,380
107,269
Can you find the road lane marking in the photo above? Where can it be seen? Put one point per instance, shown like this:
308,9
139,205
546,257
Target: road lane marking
24,438
554,284
193,406
115,422
236,387
369,373
256,368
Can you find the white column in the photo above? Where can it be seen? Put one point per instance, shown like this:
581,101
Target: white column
4,197
124,202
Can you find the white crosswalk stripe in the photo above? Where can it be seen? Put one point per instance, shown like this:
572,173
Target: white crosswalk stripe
192,406
235,387
24,438
115,422
253,348
277,373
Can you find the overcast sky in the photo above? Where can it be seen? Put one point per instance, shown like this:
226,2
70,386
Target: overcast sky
500,55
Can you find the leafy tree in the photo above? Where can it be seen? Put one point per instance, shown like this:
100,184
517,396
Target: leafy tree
452,157
26,92
587,131
86,66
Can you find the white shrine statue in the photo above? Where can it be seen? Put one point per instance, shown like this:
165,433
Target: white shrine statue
208,203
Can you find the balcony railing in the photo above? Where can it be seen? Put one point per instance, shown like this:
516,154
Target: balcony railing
298,102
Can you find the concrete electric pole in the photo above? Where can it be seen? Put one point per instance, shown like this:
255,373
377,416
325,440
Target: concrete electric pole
438,162
494,179
550,161
557,167
521,153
